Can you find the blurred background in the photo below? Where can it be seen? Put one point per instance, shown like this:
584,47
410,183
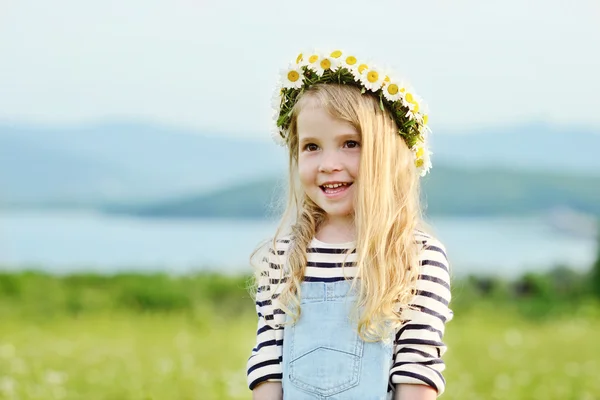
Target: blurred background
137,174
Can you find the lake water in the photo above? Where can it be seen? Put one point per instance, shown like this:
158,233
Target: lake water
86,241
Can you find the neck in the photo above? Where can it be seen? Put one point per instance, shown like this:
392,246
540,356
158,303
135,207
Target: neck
340,230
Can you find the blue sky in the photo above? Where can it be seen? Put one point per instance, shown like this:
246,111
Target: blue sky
212,65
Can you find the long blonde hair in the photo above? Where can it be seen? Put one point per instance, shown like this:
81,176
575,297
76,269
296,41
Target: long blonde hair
387,212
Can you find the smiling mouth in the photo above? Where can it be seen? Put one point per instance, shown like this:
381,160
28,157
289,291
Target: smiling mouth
335,187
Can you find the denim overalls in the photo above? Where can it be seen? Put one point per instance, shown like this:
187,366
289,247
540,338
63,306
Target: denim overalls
323,356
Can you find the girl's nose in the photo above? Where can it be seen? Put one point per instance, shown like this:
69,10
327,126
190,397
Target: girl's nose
330,162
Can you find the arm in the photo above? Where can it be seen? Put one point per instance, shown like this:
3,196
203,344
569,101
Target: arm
418,366
268,391
414,392
264,370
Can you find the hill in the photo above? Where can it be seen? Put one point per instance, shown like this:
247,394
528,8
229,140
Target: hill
447,191
133,162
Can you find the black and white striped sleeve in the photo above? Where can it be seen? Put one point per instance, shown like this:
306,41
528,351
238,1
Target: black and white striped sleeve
264,364
419,342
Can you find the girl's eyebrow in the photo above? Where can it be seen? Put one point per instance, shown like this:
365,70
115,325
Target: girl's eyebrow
352,136
341,136
308,139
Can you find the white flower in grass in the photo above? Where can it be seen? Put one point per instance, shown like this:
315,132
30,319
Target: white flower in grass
7,350
55,377
292,77
372,78
7,386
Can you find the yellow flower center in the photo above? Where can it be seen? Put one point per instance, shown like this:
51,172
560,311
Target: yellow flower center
299,58
313,58
415,108
362,67
336,54
373,76
387,79
419,163
420,152
351,60
325,64
425,119
402,90
293,76
392,89
409,97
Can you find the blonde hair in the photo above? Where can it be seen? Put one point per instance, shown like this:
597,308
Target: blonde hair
387,211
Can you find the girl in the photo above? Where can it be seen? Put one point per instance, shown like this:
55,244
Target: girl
352,295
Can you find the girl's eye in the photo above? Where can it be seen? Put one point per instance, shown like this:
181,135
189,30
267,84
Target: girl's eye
311,147
352,144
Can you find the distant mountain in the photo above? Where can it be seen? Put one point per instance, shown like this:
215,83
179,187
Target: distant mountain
532,147
30,171
447,191
132,162
247,200
123,162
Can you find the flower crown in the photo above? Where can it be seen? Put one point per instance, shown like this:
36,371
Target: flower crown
405,107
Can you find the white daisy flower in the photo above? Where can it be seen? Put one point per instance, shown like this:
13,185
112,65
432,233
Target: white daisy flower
349,62
372,78
276,101
313,61
320,63
424,131
301,58
422,158
392,89
361,67
423,112
276,98
330,62
424,107
337,54
425,123
276,136
412,101
292,77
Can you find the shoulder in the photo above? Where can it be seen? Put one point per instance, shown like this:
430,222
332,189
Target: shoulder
271,254
433,259
430,245
433,284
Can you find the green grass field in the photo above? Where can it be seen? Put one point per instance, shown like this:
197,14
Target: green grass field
200,351
171,356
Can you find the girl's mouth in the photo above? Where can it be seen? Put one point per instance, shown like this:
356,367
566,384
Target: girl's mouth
335,188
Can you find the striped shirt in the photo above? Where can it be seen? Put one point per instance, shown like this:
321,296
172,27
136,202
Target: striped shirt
419,342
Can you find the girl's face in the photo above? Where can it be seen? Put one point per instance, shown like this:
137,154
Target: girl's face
328,160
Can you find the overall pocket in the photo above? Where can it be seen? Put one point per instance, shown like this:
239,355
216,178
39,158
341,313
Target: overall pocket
325,350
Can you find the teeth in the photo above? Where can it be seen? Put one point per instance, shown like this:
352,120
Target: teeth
334,185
